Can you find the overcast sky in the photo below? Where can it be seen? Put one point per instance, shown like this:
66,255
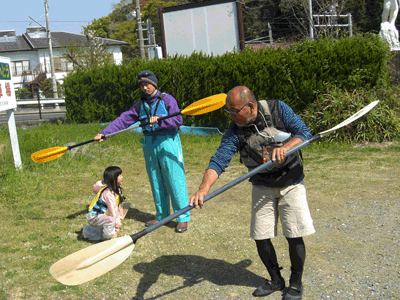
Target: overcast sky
67,16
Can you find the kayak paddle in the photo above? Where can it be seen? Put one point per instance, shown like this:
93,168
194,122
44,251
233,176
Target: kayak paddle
98,259
197,108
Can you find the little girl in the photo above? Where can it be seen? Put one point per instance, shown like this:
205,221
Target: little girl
105,211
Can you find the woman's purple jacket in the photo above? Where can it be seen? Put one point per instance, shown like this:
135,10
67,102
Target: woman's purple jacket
131,116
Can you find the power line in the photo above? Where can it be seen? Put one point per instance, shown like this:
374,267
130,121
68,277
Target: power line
45,21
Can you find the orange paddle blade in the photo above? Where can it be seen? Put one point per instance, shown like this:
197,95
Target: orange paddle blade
48,154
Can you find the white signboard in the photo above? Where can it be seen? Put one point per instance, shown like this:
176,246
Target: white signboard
7,93
8,103
211,27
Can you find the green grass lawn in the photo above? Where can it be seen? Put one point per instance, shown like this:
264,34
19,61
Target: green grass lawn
44,207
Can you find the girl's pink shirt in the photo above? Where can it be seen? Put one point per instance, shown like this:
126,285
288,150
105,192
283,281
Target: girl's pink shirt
110,198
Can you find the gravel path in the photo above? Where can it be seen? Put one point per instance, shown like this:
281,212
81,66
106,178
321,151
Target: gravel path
354,255
363,259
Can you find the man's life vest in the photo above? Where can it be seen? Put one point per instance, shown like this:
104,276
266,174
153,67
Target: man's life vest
256,143
98,206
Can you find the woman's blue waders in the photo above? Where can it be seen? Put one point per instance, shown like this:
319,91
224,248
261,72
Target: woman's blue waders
165,168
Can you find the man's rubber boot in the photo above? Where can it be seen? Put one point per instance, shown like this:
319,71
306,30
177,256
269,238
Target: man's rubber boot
293,293
276,284
295,290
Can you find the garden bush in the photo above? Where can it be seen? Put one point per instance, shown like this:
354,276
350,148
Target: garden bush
381,124
297,75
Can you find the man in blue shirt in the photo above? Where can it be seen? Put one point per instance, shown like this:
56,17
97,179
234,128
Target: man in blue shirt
276,193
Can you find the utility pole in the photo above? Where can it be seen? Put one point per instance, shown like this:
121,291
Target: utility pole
151,48
53,75
139,29
271,41
311,20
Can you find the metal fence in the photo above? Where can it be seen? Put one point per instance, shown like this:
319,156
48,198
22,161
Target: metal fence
35,103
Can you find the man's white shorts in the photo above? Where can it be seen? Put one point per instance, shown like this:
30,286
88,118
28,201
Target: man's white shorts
289,204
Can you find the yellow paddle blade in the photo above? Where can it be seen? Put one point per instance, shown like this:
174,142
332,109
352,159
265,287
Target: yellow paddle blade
48,154
93,261
205,105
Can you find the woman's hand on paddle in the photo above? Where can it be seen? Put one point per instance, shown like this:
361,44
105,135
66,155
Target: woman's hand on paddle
153,120
99,137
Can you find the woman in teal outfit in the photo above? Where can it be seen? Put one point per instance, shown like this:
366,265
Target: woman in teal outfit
162,148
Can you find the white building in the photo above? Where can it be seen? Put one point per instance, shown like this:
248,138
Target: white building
30,58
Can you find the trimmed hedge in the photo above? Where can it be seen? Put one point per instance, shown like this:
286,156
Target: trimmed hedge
296,75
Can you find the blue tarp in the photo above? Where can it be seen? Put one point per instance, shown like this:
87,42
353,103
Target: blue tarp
187,130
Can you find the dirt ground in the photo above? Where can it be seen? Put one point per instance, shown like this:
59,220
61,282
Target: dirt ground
353,255
355,252
353,195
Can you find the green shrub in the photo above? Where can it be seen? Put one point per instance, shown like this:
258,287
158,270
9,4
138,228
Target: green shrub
348,63
379,125
47,88
23,93
296,75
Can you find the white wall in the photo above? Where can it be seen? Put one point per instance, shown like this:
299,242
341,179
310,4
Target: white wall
117,54
41,56
23,55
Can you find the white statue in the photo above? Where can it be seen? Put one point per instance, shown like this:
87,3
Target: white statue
388,29
390,11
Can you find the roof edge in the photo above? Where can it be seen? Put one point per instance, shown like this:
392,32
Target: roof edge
26,37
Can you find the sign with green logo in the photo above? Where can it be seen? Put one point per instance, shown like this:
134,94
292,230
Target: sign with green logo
5,71
7,93
8,103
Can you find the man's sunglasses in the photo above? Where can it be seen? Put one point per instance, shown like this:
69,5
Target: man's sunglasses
237,111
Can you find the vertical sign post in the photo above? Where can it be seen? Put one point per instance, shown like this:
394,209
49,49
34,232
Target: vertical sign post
8,103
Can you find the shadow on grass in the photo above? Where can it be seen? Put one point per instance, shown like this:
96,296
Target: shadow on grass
194,269
133,214
140,216
79,213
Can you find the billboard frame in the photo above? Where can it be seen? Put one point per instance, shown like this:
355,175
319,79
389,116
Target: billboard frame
239,11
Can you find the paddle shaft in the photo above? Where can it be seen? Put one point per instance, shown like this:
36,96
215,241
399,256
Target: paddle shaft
123,130
215,193
142,125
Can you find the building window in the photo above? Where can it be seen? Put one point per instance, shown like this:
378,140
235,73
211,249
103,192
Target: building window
19,66
62,64
57,63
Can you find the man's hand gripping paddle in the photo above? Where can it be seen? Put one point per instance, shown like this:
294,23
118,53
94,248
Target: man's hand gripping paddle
93,261
197,108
